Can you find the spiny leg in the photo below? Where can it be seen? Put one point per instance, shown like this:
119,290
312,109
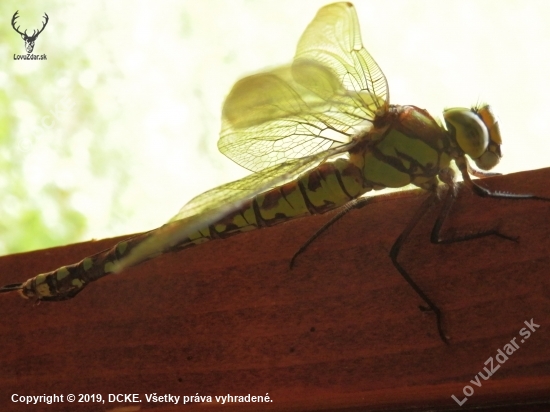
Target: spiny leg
484,192
445,210
394,253
466,169
449,201
479,191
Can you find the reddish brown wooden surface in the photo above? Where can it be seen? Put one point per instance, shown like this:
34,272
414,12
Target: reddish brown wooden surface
342,331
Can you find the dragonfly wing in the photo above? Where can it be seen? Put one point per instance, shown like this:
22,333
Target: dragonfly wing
269,118
333,38
214,204
332,90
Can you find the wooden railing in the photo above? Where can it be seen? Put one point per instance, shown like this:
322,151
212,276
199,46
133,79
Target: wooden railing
342,331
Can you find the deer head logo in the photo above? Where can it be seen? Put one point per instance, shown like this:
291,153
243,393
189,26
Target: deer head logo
29,40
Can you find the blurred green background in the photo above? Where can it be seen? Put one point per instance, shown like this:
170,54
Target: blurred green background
117,129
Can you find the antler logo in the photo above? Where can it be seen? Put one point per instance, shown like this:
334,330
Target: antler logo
29,40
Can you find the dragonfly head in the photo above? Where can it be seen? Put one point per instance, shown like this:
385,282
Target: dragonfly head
477,133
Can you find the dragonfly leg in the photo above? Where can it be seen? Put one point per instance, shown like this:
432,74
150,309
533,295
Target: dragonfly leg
465,169
480,191
359,203
394,253
354,204
436,230
484,192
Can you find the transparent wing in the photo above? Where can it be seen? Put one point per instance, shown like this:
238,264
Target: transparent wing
332,90
333,39
212,205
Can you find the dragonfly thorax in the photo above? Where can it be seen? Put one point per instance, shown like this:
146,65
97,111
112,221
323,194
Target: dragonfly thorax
477,134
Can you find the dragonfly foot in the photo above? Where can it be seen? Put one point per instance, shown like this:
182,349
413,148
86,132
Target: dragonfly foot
439,321
293,259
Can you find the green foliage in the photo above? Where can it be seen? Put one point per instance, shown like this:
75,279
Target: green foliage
46,143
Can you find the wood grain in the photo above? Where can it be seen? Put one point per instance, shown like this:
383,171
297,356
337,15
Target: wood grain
340,332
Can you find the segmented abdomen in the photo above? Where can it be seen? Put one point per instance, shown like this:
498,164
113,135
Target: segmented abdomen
326,187
66,281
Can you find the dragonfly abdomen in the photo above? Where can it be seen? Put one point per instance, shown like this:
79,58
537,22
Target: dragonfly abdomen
67,281
326,187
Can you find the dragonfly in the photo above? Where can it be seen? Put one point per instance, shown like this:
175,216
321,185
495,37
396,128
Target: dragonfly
318,134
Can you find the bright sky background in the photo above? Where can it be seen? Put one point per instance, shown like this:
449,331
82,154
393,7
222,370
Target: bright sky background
176,60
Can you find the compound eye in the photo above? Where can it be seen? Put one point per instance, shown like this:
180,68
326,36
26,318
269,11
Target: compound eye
470,132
